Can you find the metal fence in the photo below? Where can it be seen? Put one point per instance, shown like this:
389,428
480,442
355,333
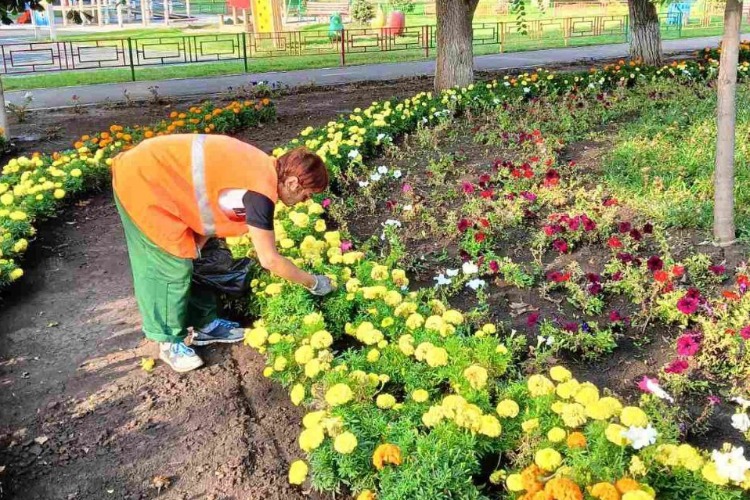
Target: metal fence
419,41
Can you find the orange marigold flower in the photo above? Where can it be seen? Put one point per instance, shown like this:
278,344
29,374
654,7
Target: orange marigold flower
563,488
149,134
266,101
576,440
626,484
173,114
78,144
207,130
530,478
729,294
386,454
604,491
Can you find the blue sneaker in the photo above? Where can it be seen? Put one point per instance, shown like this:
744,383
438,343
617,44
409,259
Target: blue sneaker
219,331
179,357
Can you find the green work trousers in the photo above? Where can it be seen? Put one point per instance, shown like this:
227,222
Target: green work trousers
167,299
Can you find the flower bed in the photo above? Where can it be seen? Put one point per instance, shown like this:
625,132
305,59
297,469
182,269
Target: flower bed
408,397
35,187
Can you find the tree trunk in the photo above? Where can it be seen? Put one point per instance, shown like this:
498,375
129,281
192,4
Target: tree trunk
3,113
645,37
455,52
726,113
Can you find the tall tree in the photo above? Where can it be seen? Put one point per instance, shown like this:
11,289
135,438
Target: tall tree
726,114
645,36
455,37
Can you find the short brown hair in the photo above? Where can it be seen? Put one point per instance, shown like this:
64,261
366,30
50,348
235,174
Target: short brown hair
308,167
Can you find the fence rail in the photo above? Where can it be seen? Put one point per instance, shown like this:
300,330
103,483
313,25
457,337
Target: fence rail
41,57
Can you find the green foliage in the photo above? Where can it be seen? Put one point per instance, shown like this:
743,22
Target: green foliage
362,11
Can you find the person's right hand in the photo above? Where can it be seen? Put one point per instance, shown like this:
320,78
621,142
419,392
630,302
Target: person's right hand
323,285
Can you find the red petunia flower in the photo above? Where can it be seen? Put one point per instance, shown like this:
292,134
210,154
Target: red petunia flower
560,245
463,225
678,271
614,242
479,237
687,305
494,266
730,295
551,178
677,367
661,276
717,270
624,227
467,187
487,193
484,222
532,319
655,263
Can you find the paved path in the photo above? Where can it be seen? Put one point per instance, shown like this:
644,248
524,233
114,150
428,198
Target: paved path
90,94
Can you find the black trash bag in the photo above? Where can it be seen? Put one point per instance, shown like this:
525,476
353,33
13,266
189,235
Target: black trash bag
218,270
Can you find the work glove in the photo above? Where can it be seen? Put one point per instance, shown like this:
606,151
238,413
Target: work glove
322,285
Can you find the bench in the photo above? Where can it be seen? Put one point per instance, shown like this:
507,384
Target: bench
321,11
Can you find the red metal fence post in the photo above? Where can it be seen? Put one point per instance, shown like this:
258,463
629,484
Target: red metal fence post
343,48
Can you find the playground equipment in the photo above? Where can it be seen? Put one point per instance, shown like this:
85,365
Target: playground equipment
379,19
335,26
396,23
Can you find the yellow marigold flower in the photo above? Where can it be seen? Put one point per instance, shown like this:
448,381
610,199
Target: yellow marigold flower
297,394
637,495
573,415
287,243
310,439
386,454
489,329
274,289
385,401
312,368
17,215
434,416
576,440
350,258
587,394
632,416
404,309
637,467
297,472
548,459
507,408
604,491
59,194
256,337
280,363
666,454
373,355
7,199
406,345
689,457
568,389
477,376
437,356
556,434
393,298
514,483
437,307
15,274
453,317
304,354
530,425
433,323
414,321
446,330
21,245
320,225
539,385
274,338
367,495
379,273
312,319
399,277
613,433
333,425
387,321
321,339
420,395
560,374
490,426
345,443
313,419
76,172
339,394
598,410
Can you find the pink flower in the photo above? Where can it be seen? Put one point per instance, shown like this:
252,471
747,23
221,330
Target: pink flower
406,188
560,245
346,246
484,179
687,304
677,366
687,346
646,384
326,203
467,187
717,270
714,400
588,224
745,333
624,227
494,266
532,319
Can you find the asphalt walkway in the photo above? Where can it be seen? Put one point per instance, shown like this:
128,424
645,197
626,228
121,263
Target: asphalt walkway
112,92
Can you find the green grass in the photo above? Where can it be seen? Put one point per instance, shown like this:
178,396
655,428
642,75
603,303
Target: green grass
663,161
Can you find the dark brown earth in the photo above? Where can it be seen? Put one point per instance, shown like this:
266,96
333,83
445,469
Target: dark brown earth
79,418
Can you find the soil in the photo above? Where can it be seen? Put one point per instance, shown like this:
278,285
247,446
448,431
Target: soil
79,418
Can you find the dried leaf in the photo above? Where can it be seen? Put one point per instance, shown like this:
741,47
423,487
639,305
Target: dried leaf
160,482
41,439
147,364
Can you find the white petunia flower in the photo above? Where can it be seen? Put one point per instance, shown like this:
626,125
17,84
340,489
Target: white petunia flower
392,222
397,174
441,280
363,184
382,169
741,422
476,283
407,208
640,436
744,403
470,268
732,464
353,153
451,272
380,137
375,177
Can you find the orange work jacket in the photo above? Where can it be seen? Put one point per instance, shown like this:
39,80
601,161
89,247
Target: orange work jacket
170,186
